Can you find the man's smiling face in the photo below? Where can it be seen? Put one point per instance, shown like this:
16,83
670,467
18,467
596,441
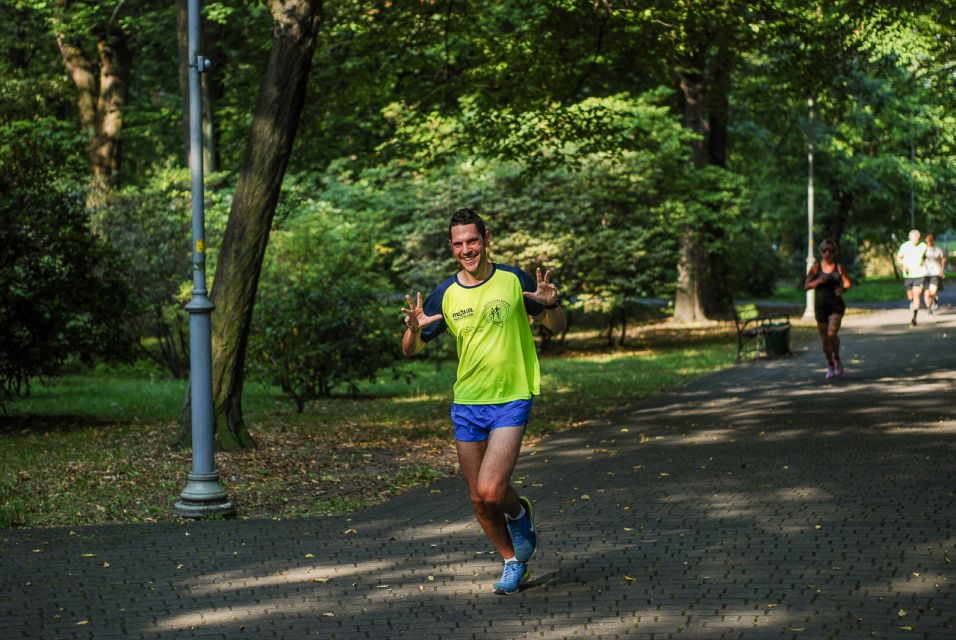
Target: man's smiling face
470,249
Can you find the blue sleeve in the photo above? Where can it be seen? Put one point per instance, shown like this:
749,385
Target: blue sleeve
527,284
432,306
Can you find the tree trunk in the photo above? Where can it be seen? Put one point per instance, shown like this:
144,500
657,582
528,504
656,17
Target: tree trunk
210,150
275,121
103,90
835,224
691,280
702,290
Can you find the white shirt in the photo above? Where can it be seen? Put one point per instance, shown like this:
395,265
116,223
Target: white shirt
934,265
912,256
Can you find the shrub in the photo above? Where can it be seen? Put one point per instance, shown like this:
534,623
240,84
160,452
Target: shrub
323,317
61,286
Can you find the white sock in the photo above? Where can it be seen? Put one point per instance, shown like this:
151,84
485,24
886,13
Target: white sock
511,559
517,517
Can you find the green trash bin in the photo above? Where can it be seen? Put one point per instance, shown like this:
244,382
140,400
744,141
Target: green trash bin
776,339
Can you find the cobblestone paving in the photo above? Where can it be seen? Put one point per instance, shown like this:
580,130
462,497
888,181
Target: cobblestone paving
760,502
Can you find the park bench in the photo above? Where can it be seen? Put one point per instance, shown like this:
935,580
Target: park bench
758,335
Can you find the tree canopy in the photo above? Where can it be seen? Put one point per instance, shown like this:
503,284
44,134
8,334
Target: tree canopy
642,148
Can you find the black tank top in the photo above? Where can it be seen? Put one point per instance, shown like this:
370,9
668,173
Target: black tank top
826,291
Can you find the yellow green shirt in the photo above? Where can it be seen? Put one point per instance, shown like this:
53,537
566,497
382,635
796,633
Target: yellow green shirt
497,361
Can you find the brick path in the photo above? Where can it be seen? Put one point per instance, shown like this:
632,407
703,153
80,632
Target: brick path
760,502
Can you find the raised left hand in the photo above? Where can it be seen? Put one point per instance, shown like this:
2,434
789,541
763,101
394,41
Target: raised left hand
546,293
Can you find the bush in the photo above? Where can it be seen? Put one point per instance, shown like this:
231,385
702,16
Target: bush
323,317
61,286
151,226
755,266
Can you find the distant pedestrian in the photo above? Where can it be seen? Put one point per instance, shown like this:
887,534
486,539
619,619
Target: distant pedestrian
828,278
911,257
935,260
485,306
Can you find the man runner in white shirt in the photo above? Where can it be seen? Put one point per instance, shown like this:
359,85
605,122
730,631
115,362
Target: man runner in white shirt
911,257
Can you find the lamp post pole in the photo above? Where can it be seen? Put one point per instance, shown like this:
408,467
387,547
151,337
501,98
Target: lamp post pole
808,312
203,494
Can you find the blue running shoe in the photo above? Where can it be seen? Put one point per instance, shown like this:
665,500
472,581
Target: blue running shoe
511,578
524,538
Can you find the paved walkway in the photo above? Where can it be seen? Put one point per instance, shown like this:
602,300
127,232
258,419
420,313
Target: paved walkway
760,502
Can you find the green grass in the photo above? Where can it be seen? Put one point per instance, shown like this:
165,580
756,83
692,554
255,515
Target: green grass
873,289
91,448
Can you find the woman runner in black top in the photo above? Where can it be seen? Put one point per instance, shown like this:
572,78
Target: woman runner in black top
830,281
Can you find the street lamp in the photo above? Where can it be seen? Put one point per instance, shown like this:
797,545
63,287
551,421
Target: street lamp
808,312
203,495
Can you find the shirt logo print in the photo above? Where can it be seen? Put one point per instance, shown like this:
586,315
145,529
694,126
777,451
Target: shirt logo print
496,312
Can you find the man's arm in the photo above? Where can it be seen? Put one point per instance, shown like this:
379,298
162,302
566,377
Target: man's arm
554,319
546,294
412,342
415,321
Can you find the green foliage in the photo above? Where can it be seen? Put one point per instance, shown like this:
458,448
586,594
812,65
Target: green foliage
60,285
322,318
151,227
594,190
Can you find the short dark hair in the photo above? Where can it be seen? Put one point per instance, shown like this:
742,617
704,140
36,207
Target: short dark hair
465,217
827,241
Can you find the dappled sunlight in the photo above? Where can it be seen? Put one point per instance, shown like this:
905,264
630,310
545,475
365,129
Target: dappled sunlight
709,436
376,584
801,494
211,583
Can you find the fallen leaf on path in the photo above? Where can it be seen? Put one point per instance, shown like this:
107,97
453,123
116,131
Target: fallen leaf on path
629,578
902,613
87,555
310,555
349,532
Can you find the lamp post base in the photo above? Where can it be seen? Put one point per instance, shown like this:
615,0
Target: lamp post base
203,497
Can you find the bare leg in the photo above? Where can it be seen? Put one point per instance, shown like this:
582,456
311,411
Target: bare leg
823,328
930,295
833,328
487,467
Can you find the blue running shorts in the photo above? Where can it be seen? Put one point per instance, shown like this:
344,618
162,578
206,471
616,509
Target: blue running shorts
475,422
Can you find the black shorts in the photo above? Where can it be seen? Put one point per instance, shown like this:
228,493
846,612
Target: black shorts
909,283
823,309
933,281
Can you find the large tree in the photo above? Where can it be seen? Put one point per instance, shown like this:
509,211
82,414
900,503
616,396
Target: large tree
95,49
275,121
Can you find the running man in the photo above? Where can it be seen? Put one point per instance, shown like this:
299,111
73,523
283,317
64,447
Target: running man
485,306
935,260
911,256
